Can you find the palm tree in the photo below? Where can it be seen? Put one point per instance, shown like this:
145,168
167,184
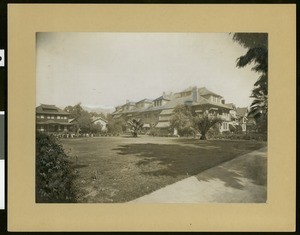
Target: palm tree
257,45
204,122
135,126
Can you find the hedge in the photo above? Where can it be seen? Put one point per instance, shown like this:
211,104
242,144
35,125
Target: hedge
54,175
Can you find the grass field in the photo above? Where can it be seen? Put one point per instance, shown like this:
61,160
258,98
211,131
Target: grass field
120,169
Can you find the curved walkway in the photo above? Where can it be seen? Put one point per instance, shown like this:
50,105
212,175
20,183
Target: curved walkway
241,180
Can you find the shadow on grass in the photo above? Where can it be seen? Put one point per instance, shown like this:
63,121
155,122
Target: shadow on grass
177,160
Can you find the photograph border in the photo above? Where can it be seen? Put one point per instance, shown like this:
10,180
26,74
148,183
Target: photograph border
278,214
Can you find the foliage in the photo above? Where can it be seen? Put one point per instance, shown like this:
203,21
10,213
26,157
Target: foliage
238,129
135,126
187,121
96,128
116,126
54,176
257,45
181,120
213,131
83,119
242,136
204,122
74,111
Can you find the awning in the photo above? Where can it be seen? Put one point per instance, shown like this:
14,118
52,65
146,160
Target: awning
162,124
51,122
146,125
164,118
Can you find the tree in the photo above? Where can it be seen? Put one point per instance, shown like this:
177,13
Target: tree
96,128
204,122
135,126
257,45
181,120
186,120
83,117
74,111
115,126
84,122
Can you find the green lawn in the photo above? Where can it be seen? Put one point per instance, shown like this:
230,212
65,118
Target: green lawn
120,169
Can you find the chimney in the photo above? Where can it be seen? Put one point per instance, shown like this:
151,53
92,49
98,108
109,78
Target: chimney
195,94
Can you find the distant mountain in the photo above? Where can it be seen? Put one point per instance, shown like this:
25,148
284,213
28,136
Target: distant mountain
99,109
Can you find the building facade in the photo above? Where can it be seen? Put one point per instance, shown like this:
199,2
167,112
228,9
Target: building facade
156,113
52,119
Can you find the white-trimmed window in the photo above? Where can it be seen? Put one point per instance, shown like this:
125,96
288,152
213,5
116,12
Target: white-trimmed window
58,117
48,117
225,125
42,116
52,117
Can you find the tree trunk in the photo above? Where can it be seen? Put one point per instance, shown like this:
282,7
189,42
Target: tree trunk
134,134
203,136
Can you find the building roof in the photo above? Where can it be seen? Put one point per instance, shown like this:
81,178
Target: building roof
50,109
241,111
188,89
163,97
144,101
94,119
204,91
167,112
178,101
202,101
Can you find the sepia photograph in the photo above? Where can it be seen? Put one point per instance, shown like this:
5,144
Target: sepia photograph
151,117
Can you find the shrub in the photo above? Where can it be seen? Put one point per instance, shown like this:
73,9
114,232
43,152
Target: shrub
54,176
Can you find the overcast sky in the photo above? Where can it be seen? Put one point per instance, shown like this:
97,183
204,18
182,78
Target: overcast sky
106,69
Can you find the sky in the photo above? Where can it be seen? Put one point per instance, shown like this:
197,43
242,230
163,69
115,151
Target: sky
106,69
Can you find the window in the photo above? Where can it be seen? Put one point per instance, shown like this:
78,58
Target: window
48,117
42,116
225,125
65,118
58,117
52,117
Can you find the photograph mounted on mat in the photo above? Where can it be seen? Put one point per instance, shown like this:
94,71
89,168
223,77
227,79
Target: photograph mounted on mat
160,113
151,117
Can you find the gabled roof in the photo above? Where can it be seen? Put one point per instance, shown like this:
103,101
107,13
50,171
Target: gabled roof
202,101
163,97
50,109
177,101
129,103
241,111
144,101
204,91
94,119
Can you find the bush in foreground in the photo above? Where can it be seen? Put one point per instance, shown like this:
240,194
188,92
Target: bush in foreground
54,176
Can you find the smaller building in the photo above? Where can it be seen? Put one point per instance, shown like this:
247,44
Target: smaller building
101,121
247,122
52,119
